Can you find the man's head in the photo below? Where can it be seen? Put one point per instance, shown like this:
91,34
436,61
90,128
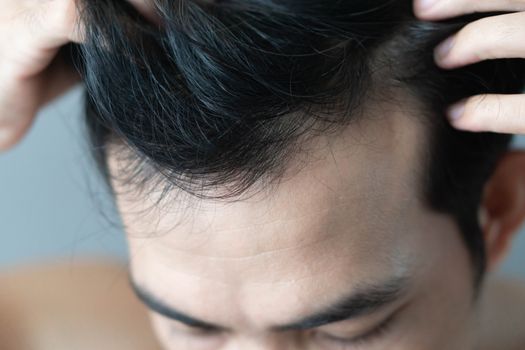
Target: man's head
270,159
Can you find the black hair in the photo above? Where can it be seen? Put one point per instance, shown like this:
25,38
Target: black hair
221,94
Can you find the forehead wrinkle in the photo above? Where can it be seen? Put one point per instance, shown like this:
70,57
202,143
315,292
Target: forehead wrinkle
320,262
214,279
399,265
340,204
332,208
323,239
193,234
325,235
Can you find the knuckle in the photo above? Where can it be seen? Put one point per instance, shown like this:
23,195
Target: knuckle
519,109
507,30
499,113
495,112
516,5
479,105
64,14
52,16
482,38
479,110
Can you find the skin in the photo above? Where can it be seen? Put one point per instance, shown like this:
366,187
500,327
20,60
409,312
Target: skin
82,304
267,260
231,264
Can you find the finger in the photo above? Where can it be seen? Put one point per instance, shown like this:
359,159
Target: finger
495,113
38,33
441,9
20,104
52,23
18,107
11,134
38,29
20,100
492,37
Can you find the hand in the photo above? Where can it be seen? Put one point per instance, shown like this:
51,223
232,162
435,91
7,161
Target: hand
501,36
31,71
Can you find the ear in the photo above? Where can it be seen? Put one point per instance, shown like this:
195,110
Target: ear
502,209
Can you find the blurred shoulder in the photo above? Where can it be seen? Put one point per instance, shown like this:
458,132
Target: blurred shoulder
79,305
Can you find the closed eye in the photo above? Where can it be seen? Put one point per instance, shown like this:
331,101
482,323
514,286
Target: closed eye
372,335
196,331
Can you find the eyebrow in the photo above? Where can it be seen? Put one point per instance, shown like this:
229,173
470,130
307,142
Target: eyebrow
351,306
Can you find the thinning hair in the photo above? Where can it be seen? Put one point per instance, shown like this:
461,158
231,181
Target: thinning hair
221,94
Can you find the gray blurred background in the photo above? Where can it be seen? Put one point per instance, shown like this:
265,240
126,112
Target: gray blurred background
53,206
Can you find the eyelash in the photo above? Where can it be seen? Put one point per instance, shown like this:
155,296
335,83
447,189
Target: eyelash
372,335
198,332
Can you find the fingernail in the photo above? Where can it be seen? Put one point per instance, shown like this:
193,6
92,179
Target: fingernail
425,5
456,110
443,49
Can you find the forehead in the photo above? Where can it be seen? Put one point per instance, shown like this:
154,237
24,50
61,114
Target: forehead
334,218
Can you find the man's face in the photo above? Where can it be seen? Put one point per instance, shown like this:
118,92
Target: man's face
344,227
